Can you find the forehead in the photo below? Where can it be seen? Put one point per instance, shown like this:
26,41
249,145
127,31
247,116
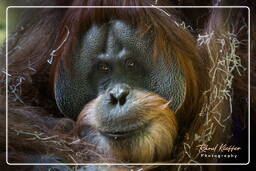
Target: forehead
115,38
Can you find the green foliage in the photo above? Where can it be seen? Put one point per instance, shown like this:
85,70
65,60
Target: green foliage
2,22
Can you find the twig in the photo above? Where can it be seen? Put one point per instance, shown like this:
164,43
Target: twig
161,10
50,60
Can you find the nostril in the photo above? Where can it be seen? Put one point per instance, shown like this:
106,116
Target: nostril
122,98
113,99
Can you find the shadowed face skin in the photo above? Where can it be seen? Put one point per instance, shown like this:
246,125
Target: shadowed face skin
125,100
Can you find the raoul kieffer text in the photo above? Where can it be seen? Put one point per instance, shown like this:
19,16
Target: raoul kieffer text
218,148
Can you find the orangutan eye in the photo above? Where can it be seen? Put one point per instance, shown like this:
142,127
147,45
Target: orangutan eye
104,67
130,63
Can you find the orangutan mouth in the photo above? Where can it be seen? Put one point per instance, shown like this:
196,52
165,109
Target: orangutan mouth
123,134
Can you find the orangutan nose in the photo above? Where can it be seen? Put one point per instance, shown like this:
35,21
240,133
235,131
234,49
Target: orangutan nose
118,94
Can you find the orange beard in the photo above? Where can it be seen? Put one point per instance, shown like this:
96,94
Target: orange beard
153,142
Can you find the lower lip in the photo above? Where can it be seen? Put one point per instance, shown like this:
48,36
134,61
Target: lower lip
120,135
